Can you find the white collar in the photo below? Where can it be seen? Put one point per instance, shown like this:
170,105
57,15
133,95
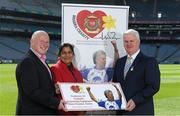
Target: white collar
36,53
133,56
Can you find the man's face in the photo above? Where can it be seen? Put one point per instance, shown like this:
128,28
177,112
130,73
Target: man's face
131,44
41,44
101,60
110,96
66,55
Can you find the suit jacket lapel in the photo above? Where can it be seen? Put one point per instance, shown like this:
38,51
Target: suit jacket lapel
123,65
31,54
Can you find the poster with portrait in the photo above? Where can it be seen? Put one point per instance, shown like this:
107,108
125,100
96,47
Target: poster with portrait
91,28
90,97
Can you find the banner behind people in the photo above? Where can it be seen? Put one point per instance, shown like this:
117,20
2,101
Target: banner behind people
91,28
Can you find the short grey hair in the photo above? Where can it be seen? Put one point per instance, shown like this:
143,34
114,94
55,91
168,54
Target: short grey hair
97,53
132,32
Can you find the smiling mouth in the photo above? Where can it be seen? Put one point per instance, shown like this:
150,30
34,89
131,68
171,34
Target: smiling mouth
43,48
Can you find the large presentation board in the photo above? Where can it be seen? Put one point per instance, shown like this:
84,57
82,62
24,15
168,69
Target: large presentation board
89,97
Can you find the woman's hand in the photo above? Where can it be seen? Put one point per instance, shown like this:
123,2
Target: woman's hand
57,89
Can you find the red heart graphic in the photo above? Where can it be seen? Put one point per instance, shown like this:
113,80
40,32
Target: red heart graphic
90,23
75,88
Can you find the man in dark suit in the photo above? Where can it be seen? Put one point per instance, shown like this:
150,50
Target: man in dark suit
34,80
138,75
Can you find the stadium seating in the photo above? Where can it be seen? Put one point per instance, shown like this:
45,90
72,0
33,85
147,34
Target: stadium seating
164,53
28,27
159,35
147,10
33,6
14,48
148,49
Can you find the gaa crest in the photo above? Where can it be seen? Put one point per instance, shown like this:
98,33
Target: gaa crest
92,24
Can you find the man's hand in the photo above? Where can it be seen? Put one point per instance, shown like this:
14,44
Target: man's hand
130,105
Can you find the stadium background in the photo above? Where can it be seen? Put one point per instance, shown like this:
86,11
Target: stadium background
158,22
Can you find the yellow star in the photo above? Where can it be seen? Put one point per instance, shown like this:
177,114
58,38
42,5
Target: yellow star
109,22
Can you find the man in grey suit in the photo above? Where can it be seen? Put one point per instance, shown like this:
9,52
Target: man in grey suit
36,91
138,75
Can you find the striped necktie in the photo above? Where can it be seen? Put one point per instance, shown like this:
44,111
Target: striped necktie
127,65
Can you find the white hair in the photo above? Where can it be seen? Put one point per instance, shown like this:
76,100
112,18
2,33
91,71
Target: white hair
132,32
96,54
37,33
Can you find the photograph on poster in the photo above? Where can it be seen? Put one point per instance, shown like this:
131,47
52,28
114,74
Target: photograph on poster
91,97
99,73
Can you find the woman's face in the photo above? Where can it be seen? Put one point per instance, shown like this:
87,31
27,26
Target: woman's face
101,61
66,55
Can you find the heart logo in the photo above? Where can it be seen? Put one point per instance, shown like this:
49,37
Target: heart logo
90,22
75,88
